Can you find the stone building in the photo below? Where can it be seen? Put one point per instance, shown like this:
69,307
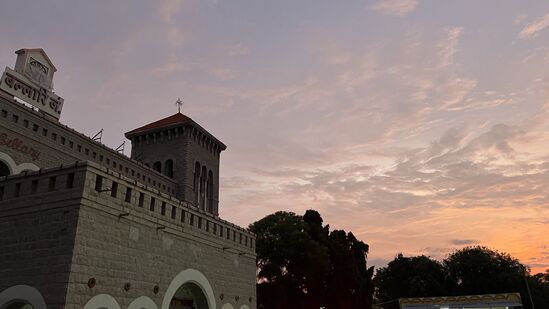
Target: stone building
84,226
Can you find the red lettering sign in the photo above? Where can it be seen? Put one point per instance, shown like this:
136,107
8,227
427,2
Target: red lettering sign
18,145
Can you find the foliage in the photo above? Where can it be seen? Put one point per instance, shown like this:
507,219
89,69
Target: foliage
475,269
469,271
301,264
417,276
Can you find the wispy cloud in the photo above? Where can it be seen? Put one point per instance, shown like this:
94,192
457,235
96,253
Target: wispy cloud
402,130
464,242
447,47
532,29
396,7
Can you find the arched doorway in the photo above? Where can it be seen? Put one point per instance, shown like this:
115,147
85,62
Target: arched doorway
189,296
102,301
19,305
21,297
142,302
190,289
4,169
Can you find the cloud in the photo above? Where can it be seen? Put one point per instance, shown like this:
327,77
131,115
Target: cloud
237,50
532,29
396,7
222,73
464,242
447,47
168,9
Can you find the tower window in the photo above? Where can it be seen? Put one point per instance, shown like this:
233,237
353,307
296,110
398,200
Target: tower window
168,168
157,166
209,192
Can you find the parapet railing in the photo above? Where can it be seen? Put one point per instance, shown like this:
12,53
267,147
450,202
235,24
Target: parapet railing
68,140
97,182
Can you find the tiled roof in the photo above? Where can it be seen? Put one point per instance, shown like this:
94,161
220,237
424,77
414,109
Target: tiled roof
166,122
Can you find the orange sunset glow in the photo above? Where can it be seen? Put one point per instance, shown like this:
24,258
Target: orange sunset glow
422,126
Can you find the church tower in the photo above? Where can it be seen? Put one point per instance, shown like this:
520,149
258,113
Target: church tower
179,148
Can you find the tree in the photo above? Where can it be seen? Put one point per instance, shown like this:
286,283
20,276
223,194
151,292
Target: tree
417,276
468,271
303,265
290,263
539,287
479,270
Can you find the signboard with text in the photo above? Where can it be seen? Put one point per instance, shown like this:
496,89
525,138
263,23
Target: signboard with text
32,81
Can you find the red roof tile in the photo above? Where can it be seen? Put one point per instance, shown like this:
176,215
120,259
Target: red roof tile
166,122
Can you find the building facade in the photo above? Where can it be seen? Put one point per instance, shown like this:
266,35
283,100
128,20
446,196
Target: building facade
83,226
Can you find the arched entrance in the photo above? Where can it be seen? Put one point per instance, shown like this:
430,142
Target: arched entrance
19,305
189,296
189,290
9,167
142,302
21,297
4,169
102,301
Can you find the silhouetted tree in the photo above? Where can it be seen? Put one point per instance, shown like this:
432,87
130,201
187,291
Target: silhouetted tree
539,286
302,265
468,271
479,270
416,276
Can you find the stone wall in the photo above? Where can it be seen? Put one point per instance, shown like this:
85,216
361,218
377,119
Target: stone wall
116,238
38,219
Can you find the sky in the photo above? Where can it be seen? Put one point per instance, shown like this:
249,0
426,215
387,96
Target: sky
422,126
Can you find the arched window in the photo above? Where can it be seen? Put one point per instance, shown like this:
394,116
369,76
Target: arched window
210,191
203,179
168,168
157,166
196,182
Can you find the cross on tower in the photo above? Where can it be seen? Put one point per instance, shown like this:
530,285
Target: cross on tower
179,103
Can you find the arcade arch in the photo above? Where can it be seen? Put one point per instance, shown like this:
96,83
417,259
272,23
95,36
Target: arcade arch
9,167
189,288
102,301
142,302
21,297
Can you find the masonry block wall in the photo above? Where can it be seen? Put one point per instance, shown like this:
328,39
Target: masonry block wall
65,227
75,210
146,246
38,220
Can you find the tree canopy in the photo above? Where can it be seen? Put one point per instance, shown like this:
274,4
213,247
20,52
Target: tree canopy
302,264
468,271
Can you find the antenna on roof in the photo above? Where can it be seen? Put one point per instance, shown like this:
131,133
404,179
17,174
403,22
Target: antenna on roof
97,137
120,149
179,104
